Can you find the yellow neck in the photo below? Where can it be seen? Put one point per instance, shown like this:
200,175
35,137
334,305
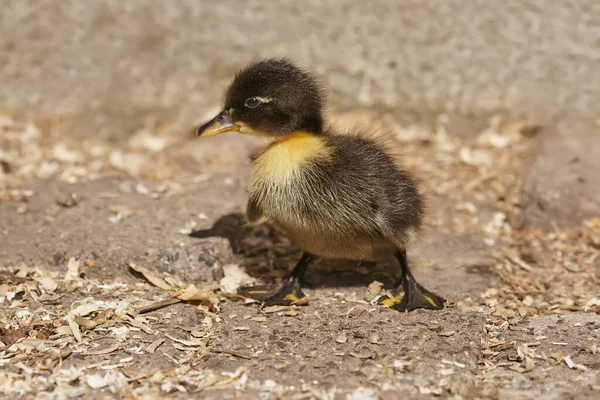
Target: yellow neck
282,159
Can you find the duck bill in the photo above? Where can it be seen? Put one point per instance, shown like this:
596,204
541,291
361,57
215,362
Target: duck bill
220,124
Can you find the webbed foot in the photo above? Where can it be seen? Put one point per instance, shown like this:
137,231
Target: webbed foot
415,295
286,293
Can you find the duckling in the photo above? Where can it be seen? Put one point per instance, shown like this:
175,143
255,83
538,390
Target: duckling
335,195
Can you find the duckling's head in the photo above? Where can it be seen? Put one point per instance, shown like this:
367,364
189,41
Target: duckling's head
272,98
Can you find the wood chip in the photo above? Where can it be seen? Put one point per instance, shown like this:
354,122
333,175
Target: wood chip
74,328
341,338
520,263
22,271
122,211
362,356
72,269
83,322
47,283
181,347
558,356
529,364
573,365
150,276
191,343
447,333
274,309
157,305
204,294
151,348
241,328
373,290
231,353
105,350
374,338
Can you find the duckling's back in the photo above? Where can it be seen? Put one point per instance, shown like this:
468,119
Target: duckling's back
335,195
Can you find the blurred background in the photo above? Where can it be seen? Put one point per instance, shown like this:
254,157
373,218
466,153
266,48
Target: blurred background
116,63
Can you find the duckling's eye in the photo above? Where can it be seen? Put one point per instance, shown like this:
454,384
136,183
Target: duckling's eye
252,102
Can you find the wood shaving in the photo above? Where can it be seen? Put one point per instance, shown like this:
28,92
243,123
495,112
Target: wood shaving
72,269
150,276
373,290
105,350
154,345
573,365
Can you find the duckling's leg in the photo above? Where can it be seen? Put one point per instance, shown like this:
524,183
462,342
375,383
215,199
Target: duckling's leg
415,295
287,292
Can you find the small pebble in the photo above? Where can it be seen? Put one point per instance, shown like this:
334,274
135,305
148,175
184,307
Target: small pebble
341,338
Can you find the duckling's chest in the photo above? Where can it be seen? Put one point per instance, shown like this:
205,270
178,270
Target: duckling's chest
282,170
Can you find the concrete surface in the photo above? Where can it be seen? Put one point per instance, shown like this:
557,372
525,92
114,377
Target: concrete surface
112,60
88,75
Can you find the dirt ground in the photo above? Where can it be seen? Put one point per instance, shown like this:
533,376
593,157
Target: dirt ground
94,235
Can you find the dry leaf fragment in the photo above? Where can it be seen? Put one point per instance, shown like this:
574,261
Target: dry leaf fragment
67,200
274,309
154,345
190,343
96,381
374,338
232,353
593,302
491,138
475,157
259,319
157,305
88,308
558,356
373,290
22,271
86,323
402,365
122,210
105,350
103,316
341,338
204,294
94,322
47,283
72,269
184,348
529,364
10,336
234,278
138,322
151,277
362,356
74,328
573,365
433,391
454,363
447,333
64,330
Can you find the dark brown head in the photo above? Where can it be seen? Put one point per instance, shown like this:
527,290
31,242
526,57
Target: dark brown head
271,98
